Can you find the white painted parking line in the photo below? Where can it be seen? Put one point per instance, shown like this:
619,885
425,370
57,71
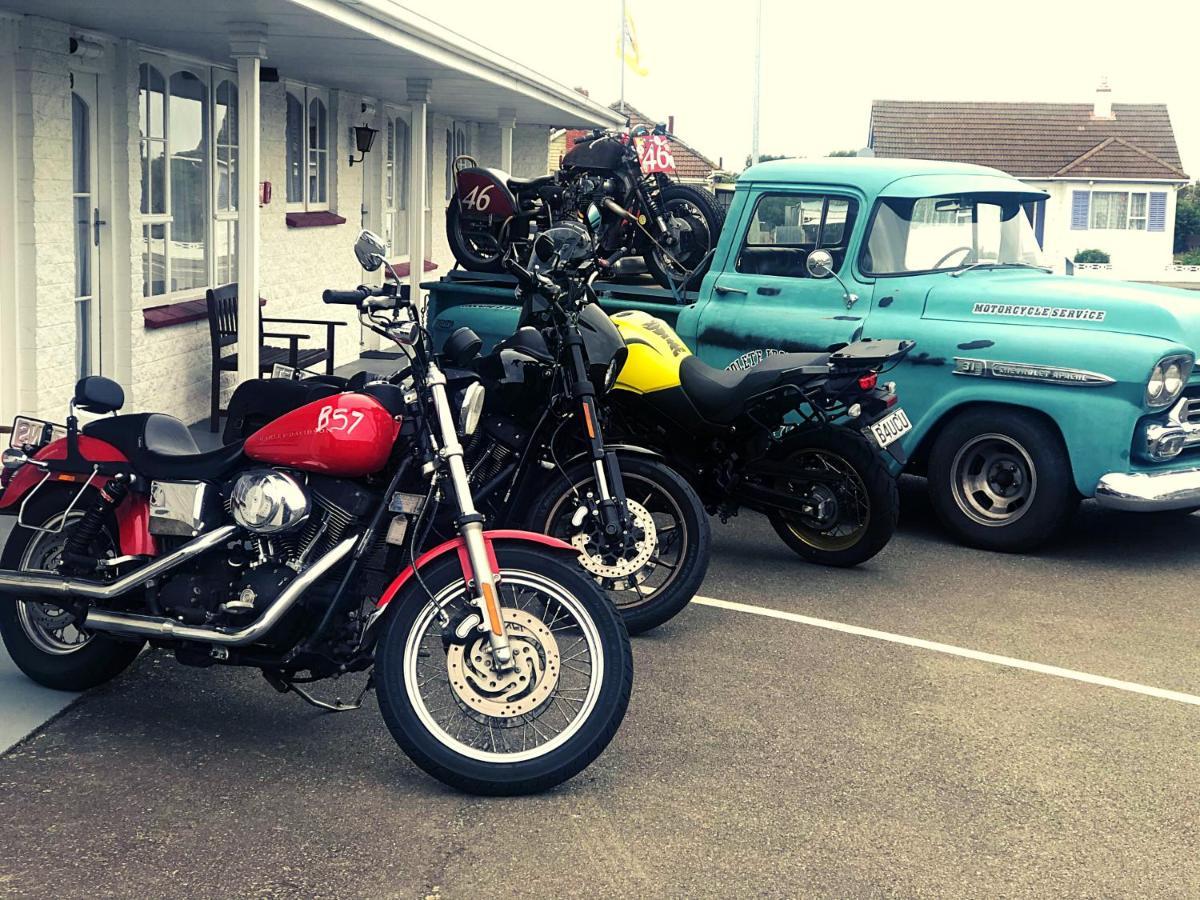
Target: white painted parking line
978,655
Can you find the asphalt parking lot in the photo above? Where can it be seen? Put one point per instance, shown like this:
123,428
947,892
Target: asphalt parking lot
761,756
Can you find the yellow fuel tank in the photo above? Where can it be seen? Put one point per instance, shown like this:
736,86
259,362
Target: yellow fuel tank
655,353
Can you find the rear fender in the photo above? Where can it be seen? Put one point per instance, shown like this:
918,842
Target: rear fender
459,546
133,515
484,194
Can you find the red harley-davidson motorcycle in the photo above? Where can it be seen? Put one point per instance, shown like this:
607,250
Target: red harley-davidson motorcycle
304,552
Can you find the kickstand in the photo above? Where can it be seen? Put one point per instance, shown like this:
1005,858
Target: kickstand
284,686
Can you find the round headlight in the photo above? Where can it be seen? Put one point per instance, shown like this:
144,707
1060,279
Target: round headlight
1173,379
1155,386
1168,379
472,409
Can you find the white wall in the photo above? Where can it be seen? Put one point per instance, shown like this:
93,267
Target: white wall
169,369
1132,252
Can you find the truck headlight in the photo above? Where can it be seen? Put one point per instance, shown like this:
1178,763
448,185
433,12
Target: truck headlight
1167,380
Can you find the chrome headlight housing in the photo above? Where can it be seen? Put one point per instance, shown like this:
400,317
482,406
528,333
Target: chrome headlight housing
471,409
1168,379
267,501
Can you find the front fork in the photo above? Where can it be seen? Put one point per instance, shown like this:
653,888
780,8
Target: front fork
607,471
484,576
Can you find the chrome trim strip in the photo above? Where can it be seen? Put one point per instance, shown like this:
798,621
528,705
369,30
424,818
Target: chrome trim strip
1149,491
1018,371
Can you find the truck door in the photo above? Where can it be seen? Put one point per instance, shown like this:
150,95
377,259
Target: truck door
766,301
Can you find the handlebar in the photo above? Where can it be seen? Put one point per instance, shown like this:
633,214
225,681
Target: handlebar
347,298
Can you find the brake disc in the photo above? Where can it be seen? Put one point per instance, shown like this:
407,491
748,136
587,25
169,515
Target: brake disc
476,681
594,559
50,618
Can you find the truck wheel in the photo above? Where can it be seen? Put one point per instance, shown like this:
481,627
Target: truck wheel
1001,480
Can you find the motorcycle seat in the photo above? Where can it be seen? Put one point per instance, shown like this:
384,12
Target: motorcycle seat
518,184
721,395
160,447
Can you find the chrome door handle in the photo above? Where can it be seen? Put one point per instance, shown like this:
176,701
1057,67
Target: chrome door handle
722,289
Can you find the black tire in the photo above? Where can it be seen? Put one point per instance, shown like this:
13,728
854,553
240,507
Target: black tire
101,658
468,256
857,534
1012,459
689,551
504,778
713,216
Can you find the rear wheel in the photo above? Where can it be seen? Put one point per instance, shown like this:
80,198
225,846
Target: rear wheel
694,219
855,495
661,572
1001,480
43,639
478,247
485,731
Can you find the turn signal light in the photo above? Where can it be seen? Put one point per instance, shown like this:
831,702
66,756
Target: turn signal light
867,382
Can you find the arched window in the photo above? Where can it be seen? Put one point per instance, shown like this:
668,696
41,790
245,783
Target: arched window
225,152
307,149
395,200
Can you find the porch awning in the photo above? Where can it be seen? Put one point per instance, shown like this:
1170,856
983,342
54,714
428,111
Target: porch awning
366,46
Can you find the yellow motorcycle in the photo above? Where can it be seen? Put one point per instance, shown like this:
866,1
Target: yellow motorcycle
812,440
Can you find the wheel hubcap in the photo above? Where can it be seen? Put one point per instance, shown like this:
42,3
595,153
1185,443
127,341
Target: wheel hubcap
993,479
843,509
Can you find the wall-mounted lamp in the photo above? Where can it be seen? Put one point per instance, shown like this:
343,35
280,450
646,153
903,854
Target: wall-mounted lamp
364,137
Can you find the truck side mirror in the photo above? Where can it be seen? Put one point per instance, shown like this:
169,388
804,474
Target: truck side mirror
819,264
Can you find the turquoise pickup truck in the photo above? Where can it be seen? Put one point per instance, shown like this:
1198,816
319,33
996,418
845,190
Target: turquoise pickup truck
1027,390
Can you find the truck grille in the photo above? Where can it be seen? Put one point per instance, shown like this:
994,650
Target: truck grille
1192,414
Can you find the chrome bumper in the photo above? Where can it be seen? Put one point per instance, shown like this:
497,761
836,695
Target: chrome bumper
1149,491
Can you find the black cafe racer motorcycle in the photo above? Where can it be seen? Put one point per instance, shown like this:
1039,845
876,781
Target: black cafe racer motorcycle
617,182
305,552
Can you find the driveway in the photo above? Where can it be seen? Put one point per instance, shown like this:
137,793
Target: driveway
940,721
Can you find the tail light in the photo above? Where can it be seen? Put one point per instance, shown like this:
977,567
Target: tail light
867,382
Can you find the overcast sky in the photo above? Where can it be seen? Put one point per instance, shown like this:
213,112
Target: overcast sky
823,63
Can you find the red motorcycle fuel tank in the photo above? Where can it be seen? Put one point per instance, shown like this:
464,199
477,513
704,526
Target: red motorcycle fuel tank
348,435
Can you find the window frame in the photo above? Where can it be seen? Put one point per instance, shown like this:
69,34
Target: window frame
307,94
853,207
396,197
1129,218
168,65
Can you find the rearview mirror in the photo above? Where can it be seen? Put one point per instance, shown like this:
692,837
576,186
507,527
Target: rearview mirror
370,250
819,264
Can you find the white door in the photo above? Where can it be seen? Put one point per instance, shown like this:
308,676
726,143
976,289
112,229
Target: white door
87,223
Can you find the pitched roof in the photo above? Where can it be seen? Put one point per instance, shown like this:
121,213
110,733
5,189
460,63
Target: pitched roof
689,162
1032,140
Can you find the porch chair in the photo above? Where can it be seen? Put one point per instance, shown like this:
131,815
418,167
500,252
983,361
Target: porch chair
222,327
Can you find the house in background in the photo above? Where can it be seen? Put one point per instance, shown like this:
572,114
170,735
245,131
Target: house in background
692,166
1112,170
152,149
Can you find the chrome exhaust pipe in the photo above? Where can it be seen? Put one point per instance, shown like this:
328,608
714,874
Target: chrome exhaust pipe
154,627
34,585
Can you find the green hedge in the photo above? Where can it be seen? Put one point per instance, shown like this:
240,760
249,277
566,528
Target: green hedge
1092,256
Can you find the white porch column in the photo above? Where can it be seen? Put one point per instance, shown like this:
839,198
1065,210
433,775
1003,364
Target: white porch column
11,350
507,120
248,46
418,98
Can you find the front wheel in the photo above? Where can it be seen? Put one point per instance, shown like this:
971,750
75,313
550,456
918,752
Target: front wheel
663,565
493,732
1001,480
854,496
694,219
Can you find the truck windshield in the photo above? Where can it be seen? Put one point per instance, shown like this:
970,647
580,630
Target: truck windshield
932,234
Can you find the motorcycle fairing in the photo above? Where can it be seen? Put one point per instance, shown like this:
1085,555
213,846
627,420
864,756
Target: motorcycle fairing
133,515
484,193
459,545
655,353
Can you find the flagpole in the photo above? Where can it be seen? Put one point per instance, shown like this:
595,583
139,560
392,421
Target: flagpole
757,83
622,55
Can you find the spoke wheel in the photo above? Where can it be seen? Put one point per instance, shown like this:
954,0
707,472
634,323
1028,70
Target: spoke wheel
994,480
516,715
49,628
843,508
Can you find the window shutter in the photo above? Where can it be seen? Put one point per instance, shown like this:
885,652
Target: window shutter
1157,220
1079,210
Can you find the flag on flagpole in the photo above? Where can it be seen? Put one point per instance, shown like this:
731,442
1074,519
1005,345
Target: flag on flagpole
628,48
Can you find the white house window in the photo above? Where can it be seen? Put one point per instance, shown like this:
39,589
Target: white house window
1120,210
187,147
307,149
456,145
395,201
225,207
